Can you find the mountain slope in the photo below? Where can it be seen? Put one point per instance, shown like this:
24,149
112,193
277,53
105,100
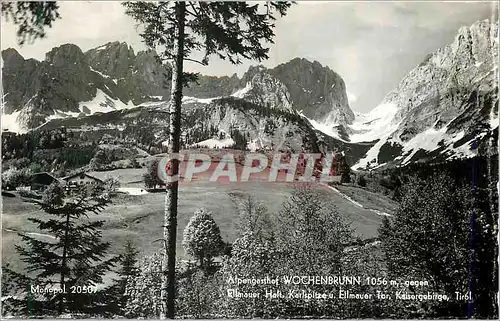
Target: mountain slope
112,77
441,108
248,124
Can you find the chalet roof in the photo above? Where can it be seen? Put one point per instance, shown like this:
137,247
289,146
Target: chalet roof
82,173
44,178
43,173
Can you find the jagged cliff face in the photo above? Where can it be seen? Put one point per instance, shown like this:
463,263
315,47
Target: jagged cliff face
447,106
138,77
316,90
59,82
114,59
19,79
69,83
435,92
264,89
265,128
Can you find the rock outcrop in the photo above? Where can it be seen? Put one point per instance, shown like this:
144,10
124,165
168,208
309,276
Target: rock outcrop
317,91
68,81
447,107
435,92
262,88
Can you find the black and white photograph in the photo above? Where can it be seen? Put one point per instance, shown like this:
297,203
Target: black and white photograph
249,159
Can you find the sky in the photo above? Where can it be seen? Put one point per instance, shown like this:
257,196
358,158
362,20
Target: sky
371,45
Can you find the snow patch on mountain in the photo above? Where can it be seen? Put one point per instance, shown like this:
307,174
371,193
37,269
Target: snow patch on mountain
366,127
242,92
215,143
374,125
325,128
493,119
102,103
350,96
101,74
428,140
187,99
431,139
371,156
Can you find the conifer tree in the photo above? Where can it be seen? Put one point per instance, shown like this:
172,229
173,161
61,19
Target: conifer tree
75,256
128,269
229,30
311,238
144,290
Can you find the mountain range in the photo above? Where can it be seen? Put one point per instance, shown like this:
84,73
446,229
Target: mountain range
438,112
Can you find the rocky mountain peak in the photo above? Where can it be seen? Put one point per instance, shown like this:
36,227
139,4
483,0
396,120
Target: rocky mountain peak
445,105
262,88
316,90
64,54
12,58
432,92
68,79
251,72
113,59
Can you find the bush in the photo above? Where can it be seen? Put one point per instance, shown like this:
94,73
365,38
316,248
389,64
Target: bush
199,294
361,181
150,178
13,178
53,194
252,258
387,183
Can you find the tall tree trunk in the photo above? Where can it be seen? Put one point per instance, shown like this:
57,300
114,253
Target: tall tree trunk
172,190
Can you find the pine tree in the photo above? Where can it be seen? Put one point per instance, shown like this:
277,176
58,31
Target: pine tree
229,30
128,269
75,257
311,239
253,255
144,290
345,170
150,178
